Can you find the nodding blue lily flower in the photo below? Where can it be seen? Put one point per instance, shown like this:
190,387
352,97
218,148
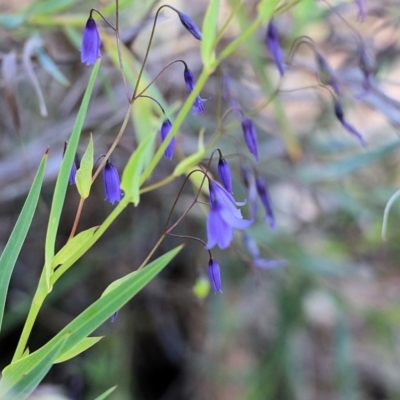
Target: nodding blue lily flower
223,217
214,275
250,136
266,200
272,42
198,107
165,128
340,116
225,174
190,25
111,183
91,42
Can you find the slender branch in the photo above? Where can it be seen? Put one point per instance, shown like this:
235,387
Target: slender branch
77,218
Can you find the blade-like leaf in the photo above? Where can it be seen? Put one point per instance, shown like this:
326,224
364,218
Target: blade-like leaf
72,246
90,319
83,177
210,26
63,176
51,67
82,346
18,235
22,377
105,394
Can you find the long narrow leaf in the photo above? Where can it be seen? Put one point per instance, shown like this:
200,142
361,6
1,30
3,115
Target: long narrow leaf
18,235
105,394
63,176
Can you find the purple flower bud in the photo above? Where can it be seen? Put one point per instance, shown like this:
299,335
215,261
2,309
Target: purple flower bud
214,274
91,42
340,116
225,174
114,317
190,25
251,246
72,174
198,107
165,128
272,42
250,136
111,183
266,200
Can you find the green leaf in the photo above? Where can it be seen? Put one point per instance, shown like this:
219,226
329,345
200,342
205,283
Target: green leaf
50,66
189,163
83,176
266,9
82,346
130,182
10,21
105,394
18,235
21,378
48,7
73,246
210,26
90,319
63,177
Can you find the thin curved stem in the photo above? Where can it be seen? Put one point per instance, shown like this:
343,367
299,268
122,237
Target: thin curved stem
386,213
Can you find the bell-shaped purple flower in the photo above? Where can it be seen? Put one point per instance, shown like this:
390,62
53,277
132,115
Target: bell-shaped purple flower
223,217
266,200
198,106
225,174
250,136
111,183
165,128
340,116
272,43
91,42
190,25
214,275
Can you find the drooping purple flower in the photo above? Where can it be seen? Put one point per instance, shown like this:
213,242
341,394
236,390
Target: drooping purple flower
91,42
340,116
111,183
249,181
214,275
266,200
257,260
272,43
165,128
326,74
190,25
198,106
250,136
223,217
225,174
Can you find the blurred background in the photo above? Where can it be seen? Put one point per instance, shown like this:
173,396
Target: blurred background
327,325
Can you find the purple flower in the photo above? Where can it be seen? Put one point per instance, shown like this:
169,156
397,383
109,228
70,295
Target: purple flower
225,174
198,107
214,274
326,75
190,25
266,200
361,9
111,183
250,136
114,316
272,42
165,128
91,42
223,217
72,174
340,116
